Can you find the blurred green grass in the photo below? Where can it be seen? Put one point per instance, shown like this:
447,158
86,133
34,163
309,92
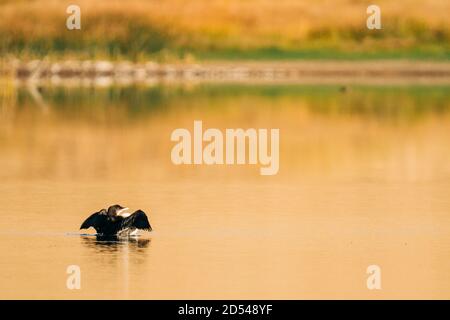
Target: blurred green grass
230,30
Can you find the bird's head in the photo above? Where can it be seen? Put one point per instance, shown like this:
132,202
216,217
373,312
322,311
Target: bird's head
116,210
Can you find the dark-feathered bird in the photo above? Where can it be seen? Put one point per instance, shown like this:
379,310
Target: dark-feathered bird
114,222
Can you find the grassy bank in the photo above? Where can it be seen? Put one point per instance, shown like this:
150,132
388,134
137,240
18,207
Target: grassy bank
233,29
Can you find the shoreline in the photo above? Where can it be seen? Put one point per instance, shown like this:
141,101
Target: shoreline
326,72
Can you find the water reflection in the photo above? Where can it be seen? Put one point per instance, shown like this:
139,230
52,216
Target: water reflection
112,244
134,102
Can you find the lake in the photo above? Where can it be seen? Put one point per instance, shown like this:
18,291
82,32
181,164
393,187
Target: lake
364,179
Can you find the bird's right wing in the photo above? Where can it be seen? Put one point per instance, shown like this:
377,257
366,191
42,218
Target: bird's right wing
137,220
94,220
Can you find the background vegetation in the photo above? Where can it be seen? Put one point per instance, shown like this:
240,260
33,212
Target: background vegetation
225,29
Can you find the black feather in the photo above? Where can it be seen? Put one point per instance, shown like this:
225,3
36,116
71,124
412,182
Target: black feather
108,223
94,220
137,220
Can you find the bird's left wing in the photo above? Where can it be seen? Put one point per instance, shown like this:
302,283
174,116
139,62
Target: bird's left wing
94,220
137,220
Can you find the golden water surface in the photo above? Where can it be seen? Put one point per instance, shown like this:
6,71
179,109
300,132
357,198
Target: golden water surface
364,180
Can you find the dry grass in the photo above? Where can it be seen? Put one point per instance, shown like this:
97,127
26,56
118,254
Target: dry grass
136,28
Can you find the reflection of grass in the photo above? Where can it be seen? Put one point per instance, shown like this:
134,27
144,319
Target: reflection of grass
7,88
254,29
383,103
386,103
